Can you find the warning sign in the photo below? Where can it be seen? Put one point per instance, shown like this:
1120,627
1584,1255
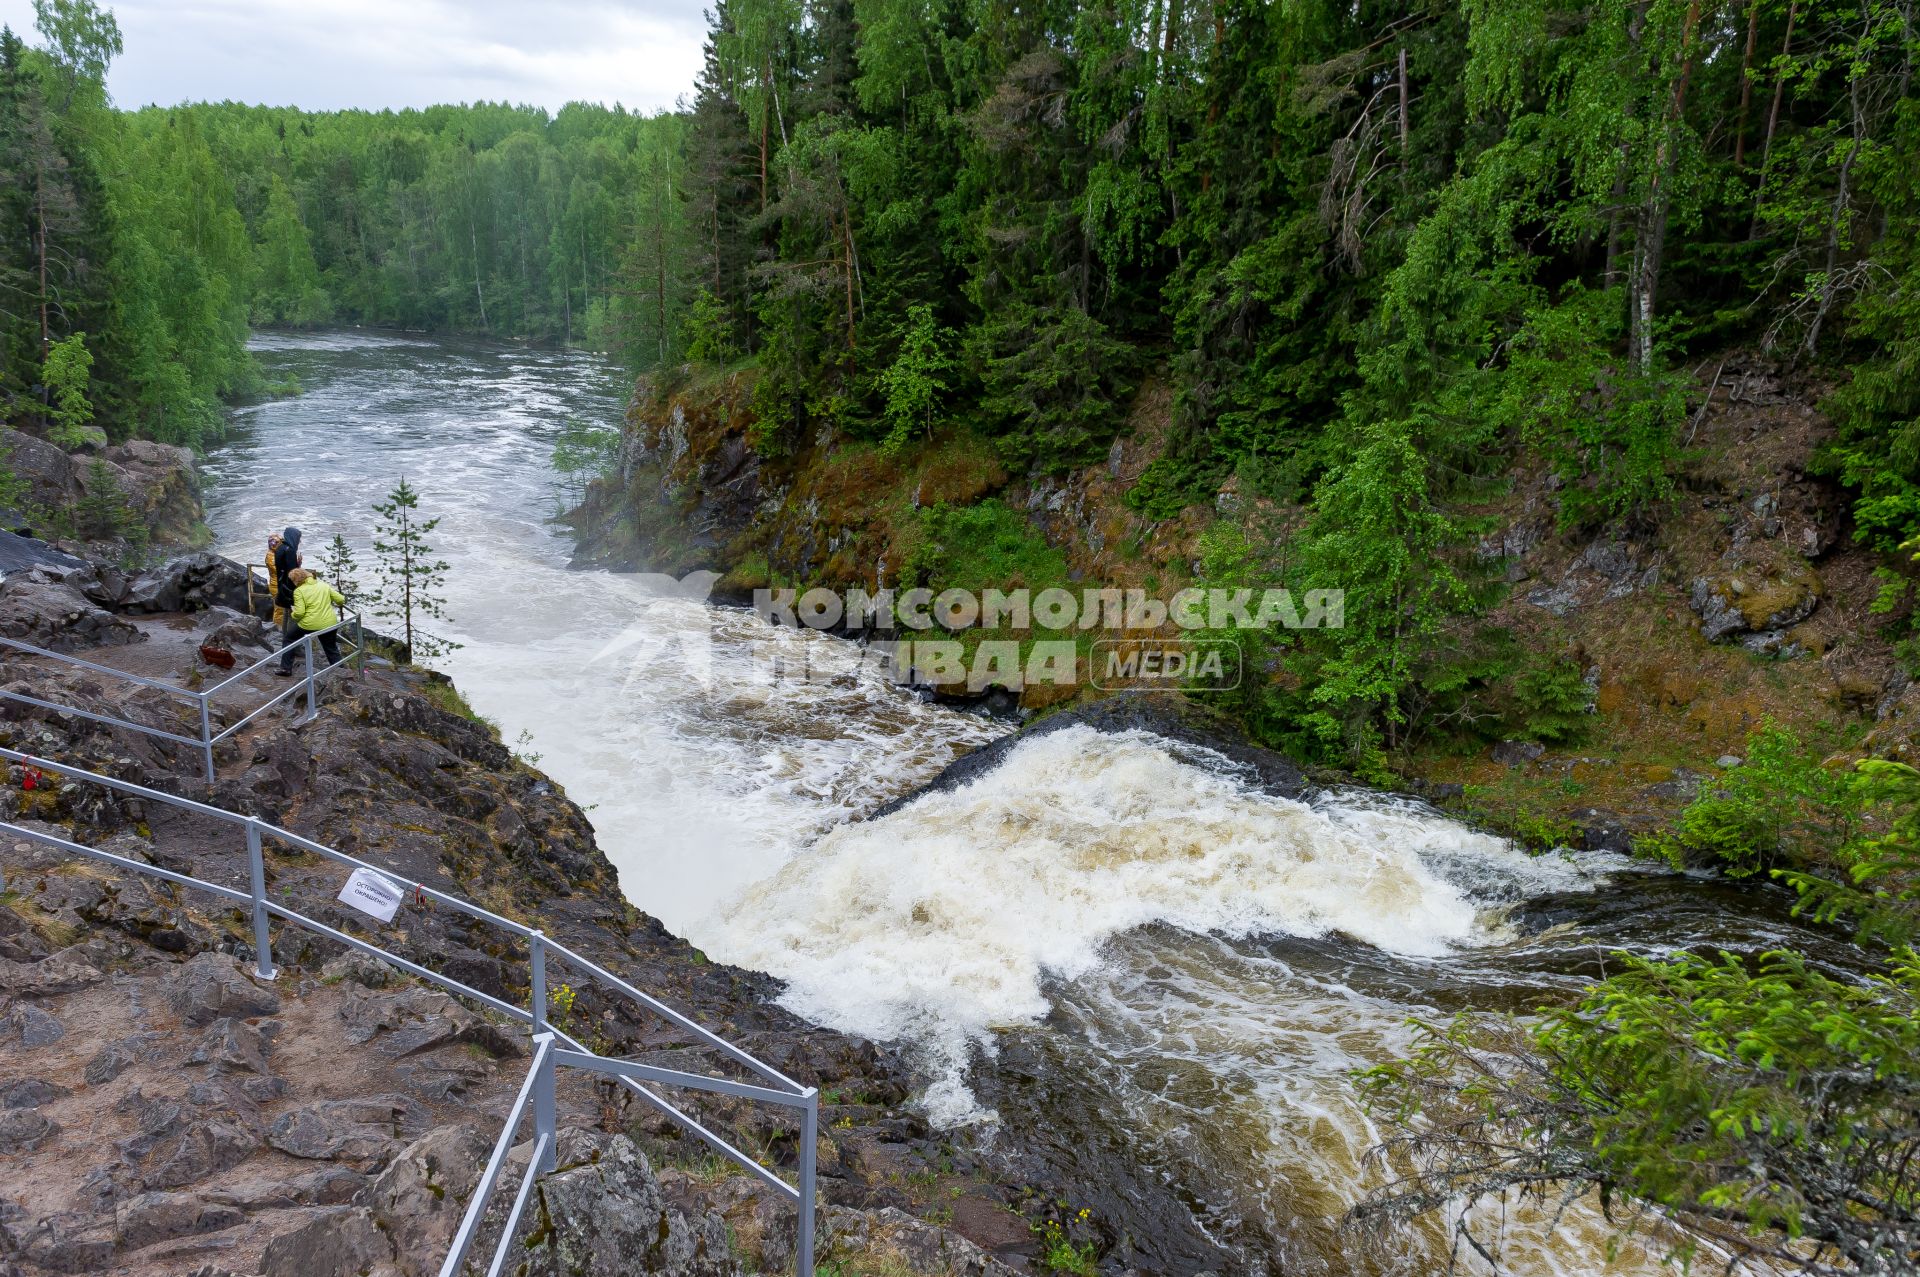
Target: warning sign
372,894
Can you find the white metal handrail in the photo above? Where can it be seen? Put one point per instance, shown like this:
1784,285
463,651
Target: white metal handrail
784,1091
203,700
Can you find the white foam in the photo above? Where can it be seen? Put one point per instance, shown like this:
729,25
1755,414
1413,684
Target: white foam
944,920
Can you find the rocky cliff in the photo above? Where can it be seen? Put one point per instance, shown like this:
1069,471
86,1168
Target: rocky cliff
163,1112
107,496
1746,601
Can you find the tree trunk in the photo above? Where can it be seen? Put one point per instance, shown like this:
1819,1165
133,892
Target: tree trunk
1405,124
473,237
1746,82
1842,198
1651,242
1779,91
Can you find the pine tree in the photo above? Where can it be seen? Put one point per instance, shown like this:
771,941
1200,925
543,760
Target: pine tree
411,578
340,568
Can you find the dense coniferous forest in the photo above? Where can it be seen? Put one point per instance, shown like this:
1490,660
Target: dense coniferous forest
1382,253
1378,250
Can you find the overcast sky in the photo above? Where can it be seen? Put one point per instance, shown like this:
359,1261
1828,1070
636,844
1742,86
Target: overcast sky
328,54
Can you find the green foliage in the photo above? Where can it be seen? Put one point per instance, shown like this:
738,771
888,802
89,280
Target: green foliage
1880,893
582,452
102,513
411,578
1763,1103
1555,703
914,381
1053,384
341,569
709,331
1782,806
973,547
65,373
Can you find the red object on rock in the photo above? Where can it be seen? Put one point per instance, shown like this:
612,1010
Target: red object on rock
216,656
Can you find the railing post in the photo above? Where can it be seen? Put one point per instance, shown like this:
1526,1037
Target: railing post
312,708
543,1106
537,959
262,942
359,643
206,734
809,1138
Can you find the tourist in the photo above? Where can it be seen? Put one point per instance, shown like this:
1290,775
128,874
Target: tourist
312,610
273,582
286,557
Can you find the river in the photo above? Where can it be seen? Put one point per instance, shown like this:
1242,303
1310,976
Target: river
1160,977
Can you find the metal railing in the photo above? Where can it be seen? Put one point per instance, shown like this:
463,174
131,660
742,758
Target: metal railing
203,700
537,1090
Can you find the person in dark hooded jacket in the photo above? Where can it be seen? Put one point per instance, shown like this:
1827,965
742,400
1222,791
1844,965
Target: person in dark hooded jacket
286,557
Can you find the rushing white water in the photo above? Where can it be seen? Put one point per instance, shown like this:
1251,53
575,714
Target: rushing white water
1177,972
947,918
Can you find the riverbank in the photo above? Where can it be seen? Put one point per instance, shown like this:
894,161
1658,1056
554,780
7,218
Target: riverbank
243,1132
1655,651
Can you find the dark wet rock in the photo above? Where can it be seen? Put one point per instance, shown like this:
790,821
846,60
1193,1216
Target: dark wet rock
46,470
24,1129
1516,753
29,1093
337,1242
191,583
20,554
1600,830
211,986
233,1046
156,1217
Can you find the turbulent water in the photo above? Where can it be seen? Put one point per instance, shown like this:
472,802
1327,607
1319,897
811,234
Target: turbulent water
1160,976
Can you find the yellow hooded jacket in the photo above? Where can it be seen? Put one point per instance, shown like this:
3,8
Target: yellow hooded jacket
313,605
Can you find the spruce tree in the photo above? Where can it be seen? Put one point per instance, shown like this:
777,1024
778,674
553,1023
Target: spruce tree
411,578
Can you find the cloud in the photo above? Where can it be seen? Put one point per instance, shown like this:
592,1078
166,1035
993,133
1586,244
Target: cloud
334,54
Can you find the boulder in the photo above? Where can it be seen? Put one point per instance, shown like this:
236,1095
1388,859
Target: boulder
60,973
47,471
609,1215
24,1129
233,1046
337,1242
31,1027
1516,753
190,583
419,1199
162,489
29,1093
56,616
344,1130
157,1217
210,986
117,1057
1752,603
890,1240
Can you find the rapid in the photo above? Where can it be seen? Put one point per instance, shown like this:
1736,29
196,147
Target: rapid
1156,973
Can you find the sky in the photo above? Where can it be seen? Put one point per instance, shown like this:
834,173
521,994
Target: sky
332,54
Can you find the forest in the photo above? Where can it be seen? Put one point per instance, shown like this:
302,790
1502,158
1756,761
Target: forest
1379,250
1382,251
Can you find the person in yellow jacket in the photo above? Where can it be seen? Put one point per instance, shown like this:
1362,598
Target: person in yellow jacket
273,582
313,610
